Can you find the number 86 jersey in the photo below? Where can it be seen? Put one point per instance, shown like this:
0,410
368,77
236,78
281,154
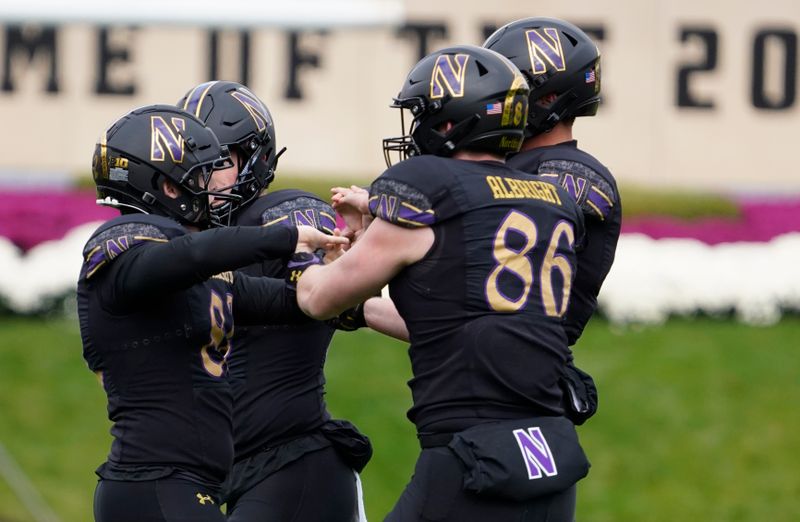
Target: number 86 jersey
484,307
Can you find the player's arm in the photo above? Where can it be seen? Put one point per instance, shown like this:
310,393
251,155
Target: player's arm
384,249
158,268
264,300
381,315
377,313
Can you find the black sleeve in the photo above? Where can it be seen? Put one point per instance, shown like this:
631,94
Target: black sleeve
159,268
264,300
594,262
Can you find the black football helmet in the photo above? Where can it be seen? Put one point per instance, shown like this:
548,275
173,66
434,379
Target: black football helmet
243,123
557,58
481,93
152,144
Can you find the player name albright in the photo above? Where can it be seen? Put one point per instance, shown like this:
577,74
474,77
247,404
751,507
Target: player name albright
508,188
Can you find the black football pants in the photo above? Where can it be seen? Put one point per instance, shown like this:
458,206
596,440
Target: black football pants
318,487
435,494
162,500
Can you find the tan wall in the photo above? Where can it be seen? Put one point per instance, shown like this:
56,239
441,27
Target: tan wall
641,133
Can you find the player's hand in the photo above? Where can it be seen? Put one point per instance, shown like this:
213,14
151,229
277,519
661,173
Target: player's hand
310,239
334,252
355,197
352,204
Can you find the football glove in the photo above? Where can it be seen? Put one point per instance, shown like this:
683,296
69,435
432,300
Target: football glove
299,263
350,320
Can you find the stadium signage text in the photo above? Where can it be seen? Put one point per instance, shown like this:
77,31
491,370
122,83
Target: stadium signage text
37,46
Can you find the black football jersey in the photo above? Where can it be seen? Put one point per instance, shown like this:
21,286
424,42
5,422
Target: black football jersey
591,184
484,306
276,371
159,343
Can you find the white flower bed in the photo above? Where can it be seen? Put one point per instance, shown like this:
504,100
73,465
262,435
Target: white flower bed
29,283
650,281
653,279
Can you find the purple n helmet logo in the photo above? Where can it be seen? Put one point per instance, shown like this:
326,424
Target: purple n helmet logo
165,136
536,453
545,46
448,75
254,107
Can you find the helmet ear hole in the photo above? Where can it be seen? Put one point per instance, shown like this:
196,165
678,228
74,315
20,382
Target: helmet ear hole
572,39
482,71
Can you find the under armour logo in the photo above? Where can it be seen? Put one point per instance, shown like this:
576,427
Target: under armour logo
204,498
295,276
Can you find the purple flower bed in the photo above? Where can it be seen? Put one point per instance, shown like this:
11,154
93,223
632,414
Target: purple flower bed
28,218
761,220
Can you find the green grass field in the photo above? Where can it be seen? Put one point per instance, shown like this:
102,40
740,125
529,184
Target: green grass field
698,419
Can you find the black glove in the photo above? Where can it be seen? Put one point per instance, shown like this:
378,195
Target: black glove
350,320
298,264
580,394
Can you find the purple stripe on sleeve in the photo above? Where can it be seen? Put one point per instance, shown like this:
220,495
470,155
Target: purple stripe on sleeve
600,202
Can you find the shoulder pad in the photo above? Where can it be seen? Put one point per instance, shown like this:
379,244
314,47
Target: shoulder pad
293,207
596,195
123,233
398,196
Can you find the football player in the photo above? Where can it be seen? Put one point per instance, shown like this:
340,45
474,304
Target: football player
157,302
562,65
480,261
286,443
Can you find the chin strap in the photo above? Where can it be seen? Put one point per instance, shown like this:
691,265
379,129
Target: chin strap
555,112
446,144
108,201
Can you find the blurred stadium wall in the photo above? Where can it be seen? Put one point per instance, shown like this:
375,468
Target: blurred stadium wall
698,94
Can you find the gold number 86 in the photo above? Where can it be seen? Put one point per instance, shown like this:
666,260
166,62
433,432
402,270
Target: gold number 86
518,263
